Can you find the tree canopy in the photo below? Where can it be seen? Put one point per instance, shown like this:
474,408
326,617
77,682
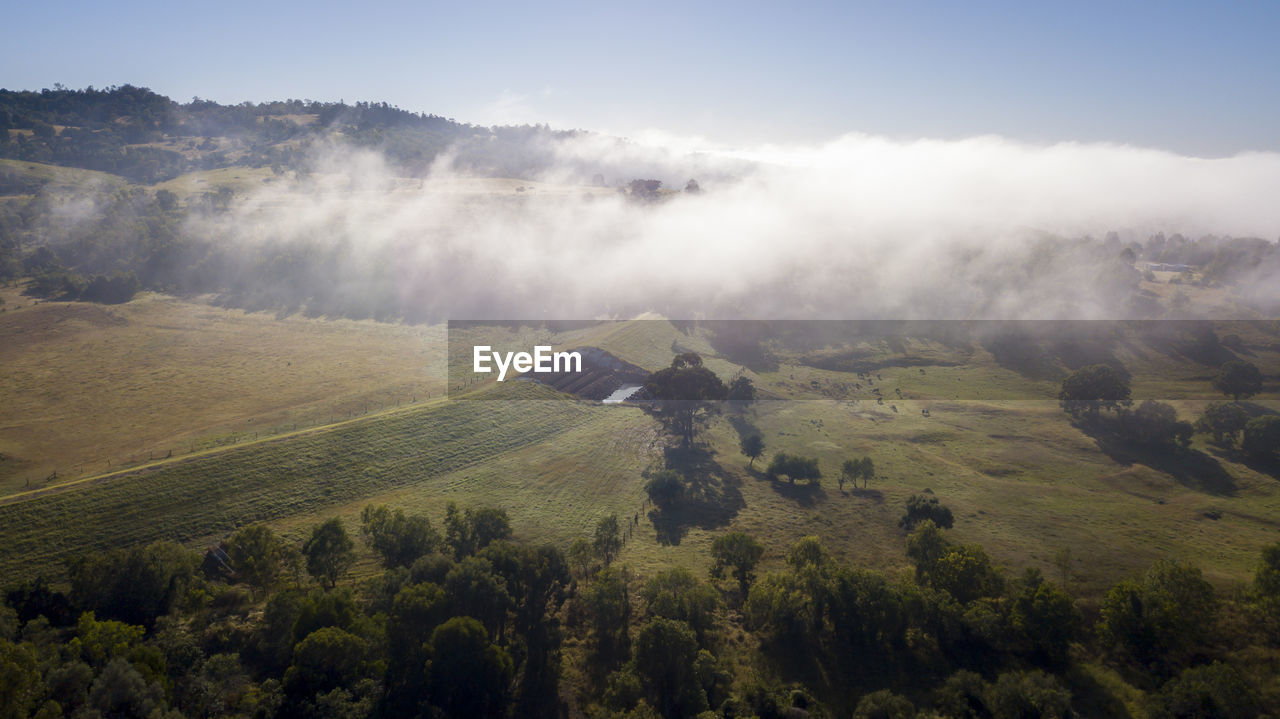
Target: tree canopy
1238,380
1091,389
684,391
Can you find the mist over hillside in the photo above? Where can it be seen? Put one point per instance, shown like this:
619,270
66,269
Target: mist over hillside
370,211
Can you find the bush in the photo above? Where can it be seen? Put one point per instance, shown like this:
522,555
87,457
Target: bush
920,508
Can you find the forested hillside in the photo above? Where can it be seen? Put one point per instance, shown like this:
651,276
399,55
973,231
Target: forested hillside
147,138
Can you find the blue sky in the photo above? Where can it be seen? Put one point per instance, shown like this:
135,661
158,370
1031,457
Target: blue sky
1184,76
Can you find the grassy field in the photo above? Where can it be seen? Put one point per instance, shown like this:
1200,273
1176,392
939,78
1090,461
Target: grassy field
55,178
445,448
1022,480
87,387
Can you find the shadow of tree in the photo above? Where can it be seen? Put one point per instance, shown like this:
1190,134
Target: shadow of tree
874,495
712,495
1021,353
806,495
1189,467
743,426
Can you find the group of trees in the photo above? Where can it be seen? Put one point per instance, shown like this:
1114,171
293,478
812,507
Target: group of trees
794,467
1087,392
463,624
466,622
146,137
854,469
994,646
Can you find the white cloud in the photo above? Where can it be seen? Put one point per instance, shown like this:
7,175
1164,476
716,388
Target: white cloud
861,226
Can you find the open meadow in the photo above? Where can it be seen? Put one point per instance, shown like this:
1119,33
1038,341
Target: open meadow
1023,481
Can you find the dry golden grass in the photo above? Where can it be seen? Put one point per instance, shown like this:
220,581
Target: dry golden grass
88,384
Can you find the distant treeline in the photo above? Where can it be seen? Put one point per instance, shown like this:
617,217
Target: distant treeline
145,137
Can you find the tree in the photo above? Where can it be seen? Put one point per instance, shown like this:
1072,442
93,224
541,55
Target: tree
1046,620
1028,694
136,585
742,390
683,392
581,555
488,525
1155,424
808,552
467,532
752,447
608,607
20,683
397,538
415,613
664,655
962,695
965,572
1238,380
33,598
1163,617
321,609
326,659
1091,389
1266,576
329,552
868,471
259,556
677,594
884,704
1211,691
166,200
853,469
121,691
664,488
921,508
1223,420
849,472
926,547
737,551
645,189
475,591
794,467
470,677
1262,437
608,538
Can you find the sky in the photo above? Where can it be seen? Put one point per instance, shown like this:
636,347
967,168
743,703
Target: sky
1193,78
